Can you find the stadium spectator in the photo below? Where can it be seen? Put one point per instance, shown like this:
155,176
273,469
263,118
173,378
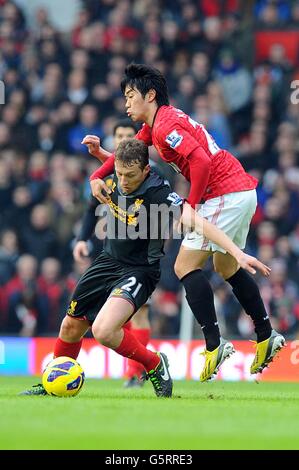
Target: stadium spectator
88,124
53,291
9,253
19,298
38,238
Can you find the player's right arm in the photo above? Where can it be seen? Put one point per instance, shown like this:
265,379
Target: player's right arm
192,220
80,251
107,158
99,189
89,221
93,143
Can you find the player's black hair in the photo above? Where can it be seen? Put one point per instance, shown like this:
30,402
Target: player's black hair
144,78
131,151
125,123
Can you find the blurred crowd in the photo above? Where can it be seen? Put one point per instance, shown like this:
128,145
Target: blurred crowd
60,86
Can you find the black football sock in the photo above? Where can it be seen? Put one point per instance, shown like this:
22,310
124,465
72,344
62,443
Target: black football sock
200,297
248,294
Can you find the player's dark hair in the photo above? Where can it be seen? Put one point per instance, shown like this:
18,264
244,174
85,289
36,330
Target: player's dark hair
144,78
125,123
131,151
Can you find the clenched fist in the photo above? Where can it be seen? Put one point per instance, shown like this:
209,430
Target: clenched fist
93,145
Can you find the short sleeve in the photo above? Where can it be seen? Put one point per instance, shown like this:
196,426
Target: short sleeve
173,136
166,206
169,202
164,195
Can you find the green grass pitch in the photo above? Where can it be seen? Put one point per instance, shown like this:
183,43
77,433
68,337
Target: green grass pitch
217,415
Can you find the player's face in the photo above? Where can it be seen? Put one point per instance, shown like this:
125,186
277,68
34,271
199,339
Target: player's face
136,105
130,177
122,133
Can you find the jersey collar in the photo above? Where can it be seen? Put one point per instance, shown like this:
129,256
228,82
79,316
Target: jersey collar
155,116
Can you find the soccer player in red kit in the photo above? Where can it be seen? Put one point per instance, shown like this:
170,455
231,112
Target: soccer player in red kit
216,178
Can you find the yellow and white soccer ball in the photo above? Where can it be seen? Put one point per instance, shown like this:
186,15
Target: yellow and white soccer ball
63,377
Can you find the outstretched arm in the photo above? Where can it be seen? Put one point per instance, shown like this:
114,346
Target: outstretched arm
194,221
93,143
105,170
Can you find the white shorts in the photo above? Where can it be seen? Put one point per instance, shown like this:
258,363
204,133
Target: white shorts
232,213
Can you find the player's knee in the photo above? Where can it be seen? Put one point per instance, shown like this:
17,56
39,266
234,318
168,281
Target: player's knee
102,334
69,330
140,319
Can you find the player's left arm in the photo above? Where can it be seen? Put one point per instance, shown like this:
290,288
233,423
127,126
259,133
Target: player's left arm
174,136
191,219
200,168
185,215
81,250
89,221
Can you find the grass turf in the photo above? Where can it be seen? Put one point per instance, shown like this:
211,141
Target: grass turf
217,415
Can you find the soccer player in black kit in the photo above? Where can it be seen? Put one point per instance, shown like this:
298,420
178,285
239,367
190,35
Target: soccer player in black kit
139,325
126,272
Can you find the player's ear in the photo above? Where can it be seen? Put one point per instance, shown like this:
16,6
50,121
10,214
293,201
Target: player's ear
147,169
151,95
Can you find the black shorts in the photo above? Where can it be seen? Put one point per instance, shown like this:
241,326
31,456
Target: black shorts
107,277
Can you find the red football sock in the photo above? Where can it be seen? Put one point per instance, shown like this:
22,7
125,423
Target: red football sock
128,326
132,348
62,348
142,335
134,367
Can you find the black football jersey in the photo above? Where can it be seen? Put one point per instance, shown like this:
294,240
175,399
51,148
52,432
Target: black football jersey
139,222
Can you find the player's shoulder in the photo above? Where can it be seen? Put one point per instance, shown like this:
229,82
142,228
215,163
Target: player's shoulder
157,170
163,194
150,185
165,115
168,119
155,180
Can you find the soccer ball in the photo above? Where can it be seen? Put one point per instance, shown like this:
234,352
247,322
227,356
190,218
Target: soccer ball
63,377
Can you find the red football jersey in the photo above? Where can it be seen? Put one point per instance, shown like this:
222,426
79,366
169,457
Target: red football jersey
175,136
191,150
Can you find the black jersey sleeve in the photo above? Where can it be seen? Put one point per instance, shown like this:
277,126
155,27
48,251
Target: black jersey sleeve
164,195
166,207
